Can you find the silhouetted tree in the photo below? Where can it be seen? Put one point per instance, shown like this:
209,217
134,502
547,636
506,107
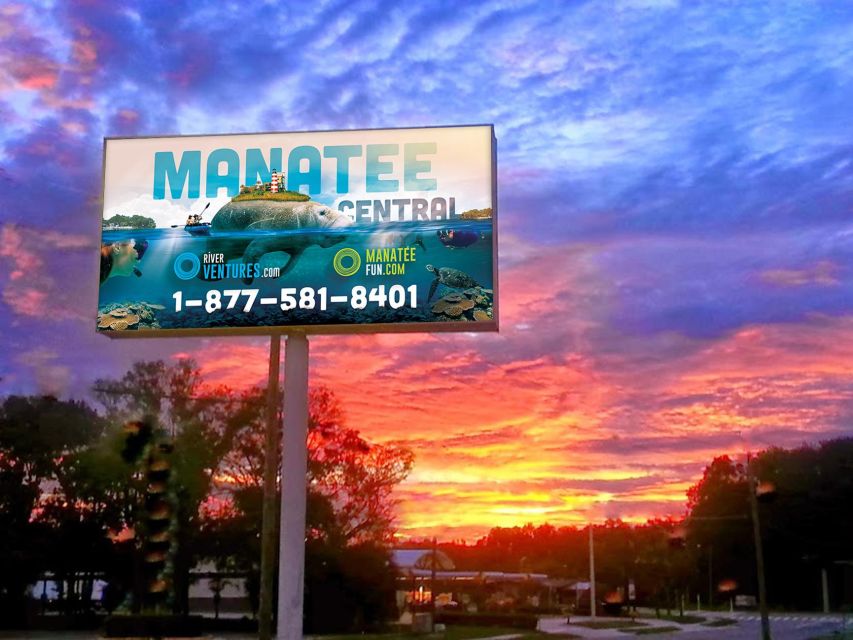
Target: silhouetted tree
350,514
202,421
806,526
38,436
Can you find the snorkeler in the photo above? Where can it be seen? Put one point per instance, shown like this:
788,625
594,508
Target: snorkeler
121,258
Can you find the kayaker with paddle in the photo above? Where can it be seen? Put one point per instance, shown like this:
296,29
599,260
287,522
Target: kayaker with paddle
195,227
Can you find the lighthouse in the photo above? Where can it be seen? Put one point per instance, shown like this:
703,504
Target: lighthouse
274,181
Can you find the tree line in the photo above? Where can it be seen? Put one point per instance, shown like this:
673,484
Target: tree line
70,502
806,515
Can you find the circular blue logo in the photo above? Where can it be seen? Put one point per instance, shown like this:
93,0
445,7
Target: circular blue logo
187,266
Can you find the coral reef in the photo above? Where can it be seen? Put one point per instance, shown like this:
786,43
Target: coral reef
129,316
473,304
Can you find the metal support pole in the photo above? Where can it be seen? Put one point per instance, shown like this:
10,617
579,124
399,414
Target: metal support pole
271,458
591,573
294,466
824,583
759,555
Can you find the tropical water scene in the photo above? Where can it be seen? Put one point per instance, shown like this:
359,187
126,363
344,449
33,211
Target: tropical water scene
403,236
446,276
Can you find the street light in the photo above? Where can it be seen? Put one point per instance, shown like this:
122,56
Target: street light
591,573
710,576
764,491
727,588
756,491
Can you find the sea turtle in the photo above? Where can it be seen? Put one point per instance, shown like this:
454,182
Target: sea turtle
449,277
301,223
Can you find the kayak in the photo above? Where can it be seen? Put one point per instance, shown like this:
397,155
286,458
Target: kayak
201,229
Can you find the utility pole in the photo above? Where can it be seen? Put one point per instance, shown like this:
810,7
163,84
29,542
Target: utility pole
710,576
591,573
432,585
759,552
269,539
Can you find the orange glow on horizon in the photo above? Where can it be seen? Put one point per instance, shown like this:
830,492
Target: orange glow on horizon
565,436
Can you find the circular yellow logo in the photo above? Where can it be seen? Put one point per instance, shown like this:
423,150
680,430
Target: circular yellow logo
344,254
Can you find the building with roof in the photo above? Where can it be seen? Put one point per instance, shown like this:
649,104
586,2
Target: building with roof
422,571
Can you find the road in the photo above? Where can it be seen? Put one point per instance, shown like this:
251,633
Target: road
782,627
747,627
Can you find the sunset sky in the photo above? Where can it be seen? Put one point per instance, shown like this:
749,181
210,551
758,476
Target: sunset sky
675,215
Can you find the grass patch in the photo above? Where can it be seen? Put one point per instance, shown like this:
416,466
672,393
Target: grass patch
368,636
524,621
469,633
520,634
460,632
456,632
539,635
720,622
284,196
685,619
610,624
648,631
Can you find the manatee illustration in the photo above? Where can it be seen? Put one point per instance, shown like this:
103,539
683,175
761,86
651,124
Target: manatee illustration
301,223
121,258
451,278
399,239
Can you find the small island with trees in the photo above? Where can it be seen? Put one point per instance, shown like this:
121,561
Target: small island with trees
120,221
477,214
272,190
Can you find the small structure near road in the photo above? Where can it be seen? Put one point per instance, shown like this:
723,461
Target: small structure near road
420,571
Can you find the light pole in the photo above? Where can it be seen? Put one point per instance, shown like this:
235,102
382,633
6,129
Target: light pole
591,573
759,552
272,455
710,576
710,548
432,585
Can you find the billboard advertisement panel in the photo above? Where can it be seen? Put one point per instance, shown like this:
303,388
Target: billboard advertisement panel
327,232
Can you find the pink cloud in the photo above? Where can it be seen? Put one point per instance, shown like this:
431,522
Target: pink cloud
30,287
35,79
25,301
823,273
24,56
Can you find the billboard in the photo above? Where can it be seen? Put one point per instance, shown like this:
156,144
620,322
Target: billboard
326,232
